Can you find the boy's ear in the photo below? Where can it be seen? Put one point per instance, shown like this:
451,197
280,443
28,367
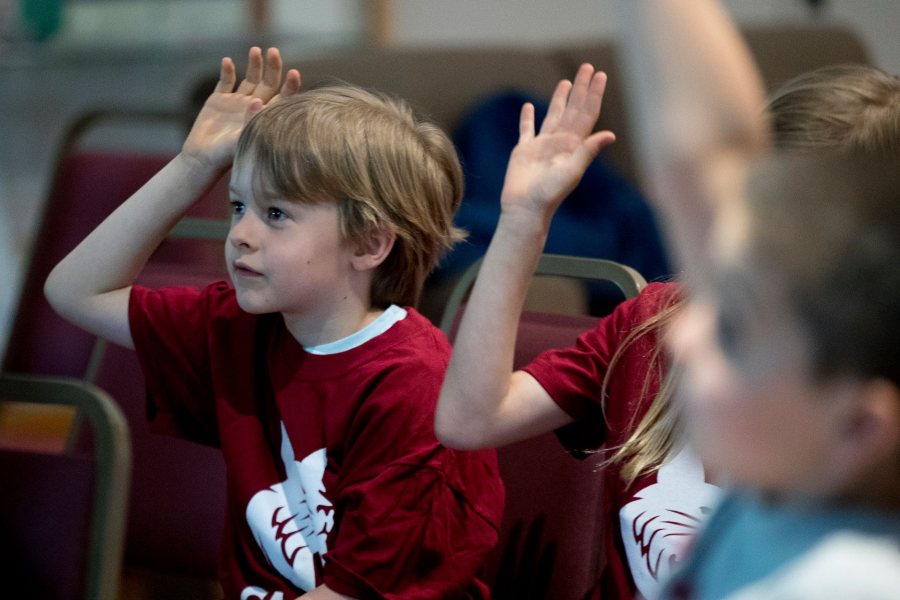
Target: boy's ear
374,250
870,435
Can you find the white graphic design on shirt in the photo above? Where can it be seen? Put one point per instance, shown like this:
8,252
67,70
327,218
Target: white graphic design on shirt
291,519
257,593
663,516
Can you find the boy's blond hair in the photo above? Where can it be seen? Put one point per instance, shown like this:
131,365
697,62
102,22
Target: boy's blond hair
386,168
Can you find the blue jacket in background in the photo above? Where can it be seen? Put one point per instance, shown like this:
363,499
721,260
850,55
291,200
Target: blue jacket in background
604,217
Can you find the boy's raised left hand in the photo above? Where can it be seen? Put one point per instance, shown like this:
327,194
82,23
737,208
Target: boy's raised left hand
213,137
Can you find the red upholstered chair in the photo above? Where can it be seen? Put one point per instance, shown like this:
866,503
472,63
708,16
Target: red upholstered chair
177,505
88,184
550,540
62,514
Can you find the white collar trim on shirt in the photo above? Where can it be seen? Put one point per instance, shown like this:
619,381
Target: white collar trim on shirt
384,322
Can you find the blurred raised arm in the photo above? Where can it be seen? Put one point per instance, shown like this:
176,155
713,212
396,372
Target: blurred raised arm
697,104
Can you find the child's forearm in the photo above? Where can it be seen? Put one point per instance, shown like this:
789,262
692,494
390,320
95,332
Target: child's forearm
483,403
697,101
475,409
90,286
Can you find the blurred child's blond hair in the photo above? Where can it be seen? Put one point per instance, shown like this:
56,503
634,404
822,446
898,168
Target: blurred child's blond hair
842,106
826,231
386,168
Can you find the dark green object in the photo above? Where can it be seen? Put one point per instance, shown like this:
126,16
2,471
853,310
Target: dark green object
41,18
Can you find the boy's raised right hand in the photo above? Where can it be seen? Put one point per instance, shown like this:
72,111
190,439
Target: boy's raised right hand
213,137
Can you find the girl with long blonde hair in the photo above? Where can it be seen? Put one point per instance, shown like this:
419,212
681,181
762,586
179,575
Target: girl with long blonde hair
617,379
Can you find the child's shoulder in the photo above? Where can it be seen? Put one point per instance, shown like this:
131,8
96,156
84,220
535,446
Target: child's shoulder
653,300
416,341
400,371
655,297
185,302
844,564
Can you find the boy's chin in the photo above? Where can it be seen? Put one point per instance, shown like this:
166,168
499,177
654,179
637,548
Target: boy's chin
248,305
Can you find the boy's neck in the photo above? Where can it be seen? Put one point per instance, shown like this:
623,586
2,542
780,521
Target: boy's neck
878,489
316,330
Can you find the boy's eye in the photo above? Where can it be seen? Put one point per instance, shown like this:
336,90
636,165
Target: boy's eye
237,208
735,308
275,214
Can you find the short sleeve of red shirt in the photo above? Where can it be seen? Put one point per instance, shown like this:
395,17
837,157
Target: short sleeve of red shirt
574,376
170,329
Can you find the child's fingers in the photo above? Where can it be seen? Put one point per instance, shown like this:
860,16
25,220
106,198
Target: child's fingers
526,122
557,106
254,72
271,77
227,76
592,146
579,94
585,101
255,106
291,84
594,99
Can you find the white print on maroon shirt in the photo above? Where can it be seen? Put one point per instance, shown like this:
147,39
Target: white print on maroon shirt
663,517
257,593
291,520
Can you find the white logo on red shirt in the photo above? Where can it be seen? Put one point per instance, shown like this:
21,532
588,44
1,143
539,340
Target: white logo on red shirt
663,517
256,593
291,520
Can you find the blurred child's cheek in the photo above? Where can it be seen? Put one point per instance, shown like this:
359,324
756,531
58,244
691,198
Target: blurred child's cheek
692,342
708,388
684,334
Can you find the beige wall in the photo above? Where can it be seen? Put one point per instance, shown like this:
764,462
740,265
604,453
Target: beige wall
545,22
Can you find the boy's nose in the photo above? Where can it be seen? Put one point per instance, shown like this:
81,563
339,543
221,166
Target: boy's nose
241,233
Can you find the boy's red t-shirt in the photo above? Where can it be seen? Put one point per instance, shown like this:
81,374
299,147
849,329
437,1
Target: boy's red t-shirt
334,473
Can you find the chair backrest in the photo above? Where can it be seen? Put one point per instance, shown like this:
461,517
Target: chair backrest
88,184
176,511
628,281
62,515
551,536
